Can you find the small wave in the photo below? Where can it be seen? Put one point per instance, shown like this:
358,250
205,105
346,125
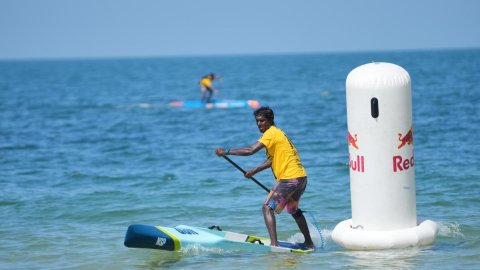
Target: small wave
296,238
169,176
449,229
327,234
318,240
319,236
147,105
198,249
142,106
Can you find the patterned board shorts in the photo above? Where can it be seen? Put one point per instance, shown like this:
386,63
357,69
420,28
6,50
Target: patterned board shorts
286,194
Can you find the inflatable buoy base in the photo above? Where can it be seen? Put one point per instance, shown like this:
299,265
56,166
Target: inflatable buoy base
358,239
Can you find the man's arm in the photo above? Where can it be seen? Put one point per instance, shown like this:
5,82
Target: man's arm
245,151
261,167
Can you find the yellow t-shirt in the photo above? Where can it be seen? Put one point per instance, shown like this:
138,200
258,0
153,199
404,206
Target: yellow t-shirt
286,163
206,82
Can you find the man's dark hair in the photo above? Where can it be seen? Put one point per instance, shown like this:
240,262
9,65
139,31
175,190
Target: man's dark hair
266,112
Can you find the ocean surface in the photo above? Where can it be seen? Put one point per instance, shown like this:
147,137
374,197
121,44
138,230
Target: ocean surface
88,147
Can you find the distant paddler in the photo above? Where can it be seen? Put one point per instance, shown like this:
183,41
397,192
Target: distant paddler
206,86
290,175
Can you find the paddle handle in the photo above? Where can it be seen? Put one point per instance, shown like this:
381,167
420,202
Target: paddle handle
244,172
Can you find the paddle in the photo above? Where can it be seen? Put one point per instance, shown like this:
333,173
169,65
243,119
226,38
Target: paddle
243,171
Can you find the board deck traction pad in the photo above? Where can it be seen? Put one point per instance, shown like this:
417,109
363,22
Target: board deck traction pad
183,236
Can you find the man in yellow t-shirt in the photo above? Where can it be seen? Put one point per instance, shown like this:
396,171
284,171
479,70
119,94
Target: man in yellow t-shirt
290,175
206,87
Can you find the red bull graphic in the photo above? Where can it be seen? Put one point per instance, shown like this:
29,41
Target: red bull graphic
407,139
401,163
356,164
352,140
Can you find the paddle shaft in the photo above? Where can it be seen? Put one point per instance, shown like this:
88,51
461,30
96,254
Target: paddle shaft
243,171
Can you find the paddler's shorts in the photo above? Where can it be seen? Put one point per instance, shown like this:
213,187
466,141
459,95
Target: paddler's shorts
286,194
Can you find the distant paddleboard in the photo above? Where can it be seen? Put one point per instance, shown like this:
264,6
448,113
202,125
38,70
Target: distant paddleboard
220,104
183,236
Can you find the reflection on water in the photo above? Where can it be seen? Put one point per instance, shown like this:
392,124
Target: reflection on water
286,262
384,259
162,259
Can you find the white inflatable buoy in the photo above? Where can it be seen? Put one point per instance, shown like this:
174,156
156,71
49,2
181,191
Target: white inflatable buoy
382,177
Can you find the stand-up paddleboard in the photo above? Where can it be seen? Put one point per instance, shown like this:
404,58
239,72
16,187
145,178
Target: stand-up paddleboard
183,236
220,104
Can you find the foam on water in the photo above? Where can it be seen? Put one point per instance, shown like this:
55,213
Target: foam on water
449,229
198,249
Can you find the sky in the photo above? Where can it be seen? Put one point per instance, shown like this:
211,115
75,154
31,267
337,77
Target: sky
31,29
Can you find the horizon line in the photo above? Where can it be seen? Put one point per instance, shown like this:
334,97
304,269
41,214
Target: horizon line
199,55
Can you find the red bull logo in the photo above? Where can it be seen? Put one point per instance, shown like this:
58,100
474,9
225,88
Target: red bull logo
356,164
401,163
407,139
352,140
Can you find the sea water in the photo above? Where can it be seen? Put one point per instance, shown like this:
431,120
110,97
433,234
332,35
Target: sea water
88,147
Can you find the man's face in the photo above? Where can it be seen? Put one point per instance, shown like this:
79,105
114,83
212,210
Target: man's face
262,123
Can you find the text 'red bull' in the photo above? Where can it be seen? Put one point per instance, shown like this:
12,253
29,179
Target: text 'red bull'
400,163
357,165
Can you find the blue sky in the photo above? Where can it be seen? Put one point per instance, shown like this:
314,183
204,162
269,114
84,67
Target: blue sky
121,28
